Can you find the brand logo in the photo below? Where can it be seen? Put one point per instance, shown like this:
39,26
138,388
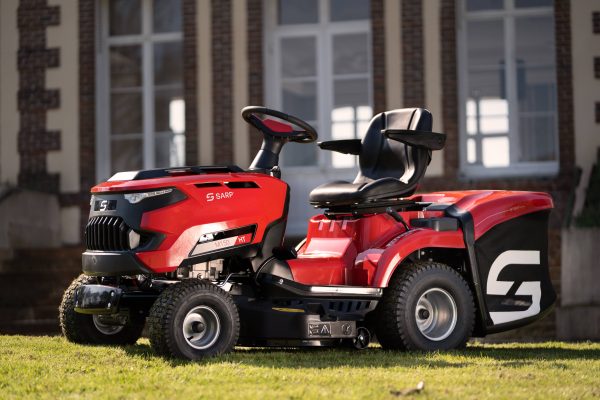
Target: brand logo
219,196
105,205
319,329
501,288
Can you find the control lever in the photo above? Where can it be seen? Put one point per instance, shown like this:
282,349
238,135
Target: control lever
394,214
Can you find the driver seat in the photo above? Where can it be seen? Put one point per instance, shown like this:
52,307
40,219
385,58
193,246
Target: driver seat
392,157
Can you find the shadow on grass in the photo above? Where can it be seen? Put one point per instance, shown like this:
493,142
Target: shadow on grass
319,358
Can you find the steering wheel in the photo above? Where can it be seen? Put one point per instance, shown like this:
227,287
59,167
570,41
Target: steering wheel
276,129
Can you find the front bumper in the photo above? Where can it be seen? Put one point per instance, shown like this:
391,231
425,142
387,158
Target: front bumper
103,299
97,299
95,263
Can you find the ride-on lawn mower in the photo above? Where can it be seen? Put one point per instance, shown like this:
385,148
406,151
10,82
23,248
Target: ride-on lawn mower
197,253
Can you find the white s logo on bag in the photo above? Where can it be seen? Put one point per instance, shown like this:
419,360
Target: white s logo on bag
501,288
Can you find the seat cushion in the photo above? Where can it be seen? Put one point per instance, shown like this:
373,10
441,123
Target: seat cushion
345,193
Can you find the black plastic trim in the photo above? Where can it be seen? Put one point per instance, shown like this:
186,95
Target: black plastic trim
437,224
346,146
132,213
466,221
104,263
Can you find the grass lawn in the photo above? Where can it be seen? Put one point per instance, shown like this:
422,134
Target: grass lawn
50,367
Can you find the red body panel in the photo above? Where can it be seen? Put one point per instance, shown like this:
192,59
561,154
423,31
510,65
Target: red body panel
366,251
183,223
348,251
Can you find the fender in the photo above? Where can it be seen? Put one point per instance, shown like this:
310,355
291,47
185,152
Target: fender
407,243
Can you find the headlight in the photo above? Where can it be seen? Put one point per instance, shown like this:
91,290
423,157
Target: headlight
134,198
134,239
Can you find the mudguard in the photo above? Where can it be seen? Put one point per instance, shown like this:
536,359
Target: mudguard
505,235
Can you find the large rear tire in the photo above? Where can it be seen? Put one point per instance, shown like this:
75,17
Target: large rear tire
193,319
426,306
90,329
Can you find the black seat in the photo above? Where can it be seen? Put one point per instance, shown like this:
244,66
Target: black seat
393,157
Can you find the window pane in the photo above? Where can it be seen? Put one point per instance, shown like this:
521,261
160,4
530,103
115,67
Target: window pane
300,99
485,47
495,152
351,92
167,15
169,111
350,54
486,107
533,3
297,154
479,5
536,88
535,40
125,66
125,17
350,115
347,10
169,151
298,12
126,112
126,154
298,57
537,136
168,63
535,61
471,151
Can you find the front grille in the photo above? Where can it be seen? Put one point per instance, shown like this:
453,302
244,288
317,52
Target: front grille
106,233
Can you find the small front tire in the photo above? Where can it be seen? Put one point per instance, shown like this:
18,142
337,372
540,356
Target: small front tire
90,329
193,319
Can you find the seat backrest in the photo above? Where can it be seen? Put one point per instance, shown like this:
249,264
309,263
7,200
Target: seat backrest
385,158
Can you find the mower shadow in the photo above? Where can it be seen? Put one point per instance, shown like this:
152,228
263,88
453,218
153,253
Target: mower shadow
375,357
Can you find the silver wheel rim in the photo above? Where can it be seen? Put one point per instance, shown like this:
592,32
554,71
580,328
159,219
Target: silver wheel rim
436,314
106,329
201,327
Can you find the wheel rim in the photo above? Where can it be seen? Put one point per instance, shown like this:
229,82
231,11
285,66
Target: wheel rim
106,329
436,314
201,327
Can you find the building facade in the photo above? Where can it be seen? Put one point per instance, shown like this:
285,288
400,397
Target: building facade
92,87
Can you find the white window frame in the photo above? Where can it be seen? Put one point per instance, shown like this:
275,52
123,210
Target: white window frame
323,31
146,40
515,169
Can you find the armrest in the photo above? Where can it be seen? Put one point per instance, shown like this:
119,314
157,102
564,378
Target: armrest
346,146
425,139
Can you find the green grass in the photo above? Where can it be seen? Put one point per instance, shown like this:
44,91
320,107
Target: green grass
50,367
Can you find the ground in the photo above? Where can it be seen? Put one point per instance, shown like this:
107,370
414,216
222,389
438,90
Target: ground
50,367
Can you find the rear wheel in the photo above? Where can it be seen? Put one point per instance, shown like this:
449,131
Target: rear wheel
94,329
427,306
193,319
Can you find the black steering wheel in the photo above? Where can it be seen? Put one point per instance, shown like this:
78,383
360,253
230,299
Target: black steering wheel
306,133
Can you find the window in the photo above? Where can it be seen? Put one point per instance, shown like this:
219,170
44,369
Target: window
141,111
508,87
319,68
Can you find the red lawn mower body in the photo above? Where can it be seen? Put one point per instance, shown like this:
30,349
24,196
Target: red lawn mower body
160,225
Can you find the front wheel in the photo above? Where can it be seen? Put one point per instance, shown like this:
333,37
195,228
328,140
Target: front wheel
193,319
427,306
93,329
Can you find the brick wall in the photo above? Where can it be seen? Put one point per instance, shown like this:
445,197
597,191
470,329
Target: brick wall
190,74
34,100
255,65
378,46
87,105
222,82
413,70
